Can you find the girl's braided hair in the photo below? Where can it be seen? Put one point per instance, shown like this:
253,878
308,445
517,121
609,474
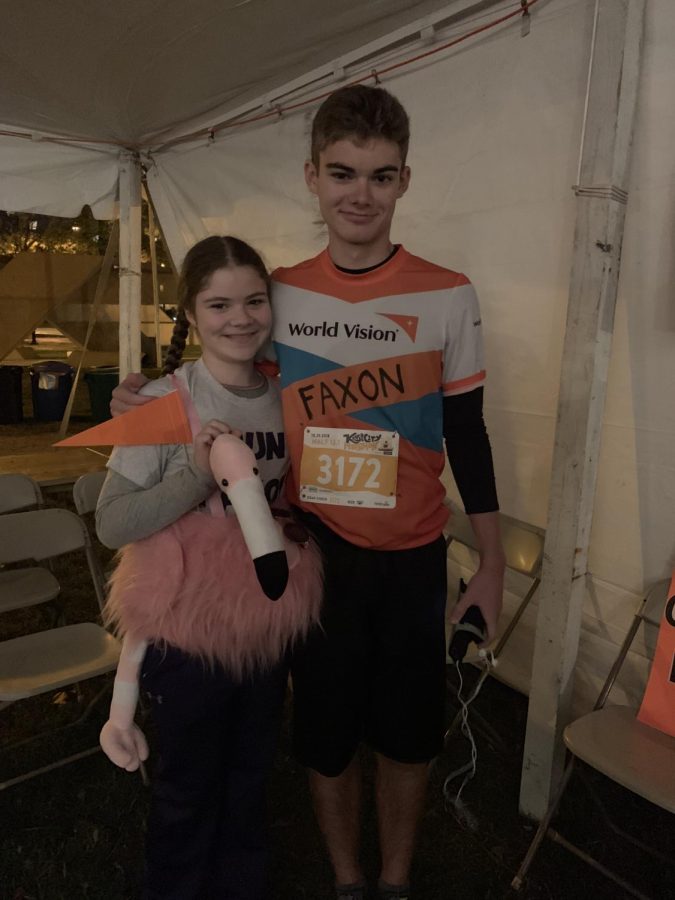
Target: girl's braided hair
201,261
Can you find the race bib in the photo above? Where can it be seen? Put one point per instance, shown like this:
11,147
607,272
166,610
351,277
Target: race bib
349,468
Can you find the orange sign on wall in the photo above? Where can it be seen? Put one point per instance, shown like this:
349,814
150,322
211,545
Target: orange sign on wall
658,703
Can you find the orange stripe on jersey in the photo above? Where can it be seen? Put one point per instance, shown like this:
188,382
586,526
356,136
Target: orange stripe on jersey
350,389
418,277
463,384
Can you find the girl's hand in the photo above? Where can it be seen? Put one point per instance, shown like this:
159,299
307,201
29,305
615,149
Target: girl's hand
204,440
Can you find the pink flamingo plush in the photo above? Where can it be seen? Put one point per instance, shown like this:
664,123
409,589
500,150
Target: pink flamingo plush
234,468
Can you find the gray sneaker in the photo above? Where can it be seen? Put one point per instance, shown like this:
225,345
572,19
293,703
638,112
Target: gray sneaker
351,891
394,892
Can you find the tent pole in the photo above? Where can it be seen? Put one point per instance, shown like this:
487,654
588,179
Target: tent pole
601,205
130,264
101,287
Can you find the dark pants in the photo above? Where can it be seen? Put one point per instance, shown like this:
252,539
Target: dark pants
216,738
374,669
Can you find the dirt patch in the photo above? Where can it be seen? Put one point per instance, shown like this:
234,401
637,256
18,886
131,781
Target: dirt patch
32,435
78,832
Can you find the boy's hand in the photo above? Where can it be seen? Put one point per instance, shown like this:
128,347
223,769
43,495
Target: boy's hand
485,590
126,747
125,396
204,440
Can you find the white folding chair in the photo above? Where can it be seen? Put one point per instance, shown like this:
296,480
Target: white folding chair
45,661
86,490
524,551
523,548
612,741
18,492
31,585
85,496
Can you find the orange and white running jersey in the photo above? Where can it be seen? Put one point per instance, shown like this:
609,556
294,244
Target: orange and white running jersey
365,362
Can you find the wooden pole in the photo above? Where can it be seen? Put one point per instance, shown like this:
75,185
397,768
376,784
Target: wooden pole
130,264
601,193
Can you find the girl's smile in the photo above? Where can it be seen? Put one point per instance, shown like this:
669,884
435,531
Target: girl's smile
233,318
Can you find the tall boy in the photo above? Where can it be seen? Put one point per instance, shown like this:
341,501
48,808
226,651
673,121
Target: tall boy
381,361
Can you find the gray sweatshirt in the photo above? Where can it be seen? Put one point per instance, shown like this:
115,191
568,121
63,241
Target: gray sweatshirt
149,487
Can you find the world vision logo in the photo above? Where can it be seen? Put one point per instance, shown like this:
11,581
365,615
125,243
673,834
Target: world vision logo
407,323
357,331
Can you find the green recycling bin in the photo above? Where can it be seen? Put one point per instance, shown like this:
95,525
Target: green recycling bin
101,383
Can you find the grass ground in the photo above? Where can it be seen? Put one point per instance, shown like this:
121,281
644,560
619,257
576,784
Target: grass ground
77,833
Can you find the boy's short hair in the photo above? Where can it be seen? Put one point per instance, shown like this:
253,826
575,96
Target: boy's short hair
359,112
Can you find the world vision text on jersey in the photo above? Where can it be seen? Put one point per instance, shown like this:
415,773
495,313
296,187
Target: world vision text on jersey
356,331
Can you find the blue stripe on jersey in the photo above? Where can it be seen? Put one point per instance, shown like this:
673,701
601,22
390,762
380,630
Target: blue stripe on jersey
418,421
298,365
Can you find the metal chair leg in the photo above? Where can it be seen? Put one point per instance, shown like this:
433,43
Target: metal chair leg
517,882
49,768
594,864
615,828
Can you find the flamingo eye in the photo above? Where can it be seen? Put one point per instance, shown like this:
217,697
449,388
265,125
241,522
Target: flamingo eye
255,471
224,482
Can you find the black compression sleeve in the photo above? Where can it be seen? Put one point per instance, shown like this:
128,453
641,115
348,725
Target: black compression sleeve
469,453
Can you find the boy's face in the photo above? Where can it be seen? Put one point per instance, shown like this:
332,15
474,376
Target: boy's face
357,186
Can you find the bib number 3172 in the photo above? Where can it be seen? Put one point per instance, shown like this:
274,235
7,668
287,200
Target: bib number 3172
349,468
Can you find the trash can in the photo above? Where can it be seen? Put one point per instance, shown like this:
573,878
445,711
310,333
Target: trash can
11,395
50,386
101,383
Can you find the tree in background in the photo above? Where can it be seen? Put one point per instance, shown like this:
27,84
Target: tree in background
33,233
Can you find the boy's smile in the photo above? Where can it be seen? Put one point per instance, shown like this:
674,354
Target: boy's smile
357,186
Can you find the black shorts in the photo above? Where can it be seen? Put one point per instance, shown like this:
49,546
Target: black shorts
374,669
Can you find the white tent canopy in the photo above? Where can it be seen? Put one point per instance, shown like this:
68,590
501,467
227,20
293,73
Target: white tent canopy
497,123
129,75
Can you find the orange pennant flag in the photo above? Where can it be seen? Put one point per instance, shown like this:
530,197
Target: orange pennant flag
658,703
163,421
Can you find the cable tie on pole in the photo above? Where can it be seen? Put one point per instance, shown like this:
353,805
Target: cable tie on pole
376,77
601,192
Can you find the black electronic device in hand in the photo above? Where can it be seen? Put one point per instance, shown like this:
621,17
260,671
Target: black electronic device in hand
471,627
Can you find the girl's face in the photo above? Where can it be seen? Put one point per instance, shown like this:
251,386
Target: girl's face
233,316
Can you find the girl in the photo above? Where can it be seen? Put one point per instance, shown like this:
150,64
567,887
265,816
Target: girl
213,671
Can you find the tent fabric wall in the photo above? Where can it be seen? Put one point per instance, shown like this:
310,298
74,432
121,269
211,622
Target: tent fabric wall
57,179
496,132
